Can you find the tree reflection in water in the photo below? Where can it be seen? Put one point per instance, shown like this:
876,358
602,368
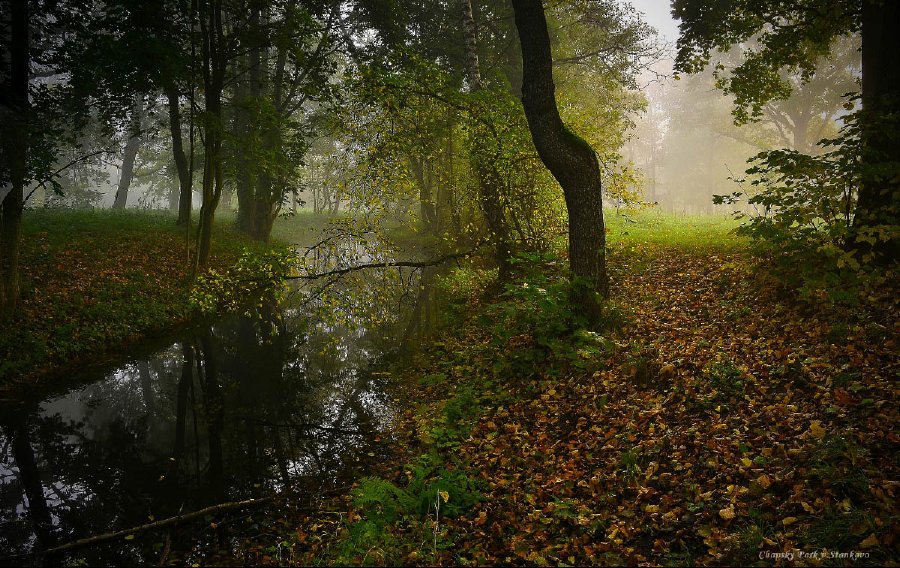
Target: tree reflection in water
243,408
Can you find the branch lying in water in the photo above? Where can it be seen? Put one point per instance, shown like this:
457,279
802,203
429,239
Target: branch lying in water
390,264
96,539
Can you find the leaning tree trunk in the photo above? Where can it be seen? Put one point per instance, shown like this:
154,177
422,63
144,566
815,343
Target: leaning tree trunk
181,161
489,182
14,131
128,157
569,158
878,206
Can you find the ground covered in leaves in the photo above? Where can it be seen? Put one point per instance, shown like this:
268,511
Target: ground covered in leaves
716,419
727,426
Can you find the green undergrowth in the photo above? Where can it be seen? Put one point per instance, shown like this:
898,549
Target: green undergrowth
95,280
494,348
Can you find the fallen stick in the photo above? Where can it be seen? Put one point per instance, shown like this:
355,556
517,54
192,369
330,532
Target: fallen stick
154,525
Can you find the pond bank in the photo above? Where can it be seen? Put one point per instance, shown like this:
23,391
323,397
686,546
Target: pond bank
95,283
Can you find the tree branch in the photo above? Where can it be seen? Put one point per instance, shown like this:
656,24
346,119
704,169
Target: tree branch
390,264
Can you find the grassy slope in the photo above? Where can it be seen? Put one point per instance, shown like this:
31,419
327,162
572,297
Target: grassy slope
719,420
93,281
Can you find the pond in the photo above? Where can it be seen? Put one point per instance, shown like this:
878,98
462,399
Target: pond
239,409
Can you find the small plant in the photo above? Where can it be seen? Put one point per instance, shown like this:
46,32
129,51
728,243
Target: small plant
727,379
630,462
396,521
839,531
836,465
805,216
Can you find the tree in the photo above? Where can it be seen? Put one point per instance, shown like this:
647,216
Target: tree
793,35
14,114
488,178
132,146
286,73
569,158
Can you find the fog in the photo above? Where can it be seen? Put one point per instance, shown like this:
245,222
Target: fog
689,148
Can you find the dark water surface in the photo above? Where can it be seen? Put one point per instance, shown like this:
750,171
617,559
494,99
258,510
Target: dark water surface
237,410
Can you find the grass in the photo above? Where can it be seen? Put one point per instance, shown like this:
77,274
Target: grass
95,280
686,232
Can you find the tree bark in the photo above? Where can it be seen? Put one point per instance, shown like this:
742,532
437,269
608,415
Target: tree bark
129,155
185,191
569,158
489,182
213,78
880,189
15,133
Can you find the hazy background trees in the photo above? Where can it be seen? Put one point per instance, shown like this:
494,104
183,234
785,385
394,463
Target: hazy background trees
267,108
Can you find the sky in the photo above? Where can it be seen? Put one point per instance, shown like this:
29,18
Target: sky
658,13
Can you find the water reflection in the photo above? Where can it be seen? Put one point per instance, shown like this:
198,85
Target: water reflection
237,410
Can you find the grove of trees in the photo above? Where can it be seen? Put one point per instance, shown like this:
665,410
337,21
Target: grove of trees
413,108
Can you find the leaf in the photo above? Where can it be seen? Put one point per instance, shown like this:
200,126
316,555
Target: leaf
129,537
727,513
815,428
444,495
788,521
870,541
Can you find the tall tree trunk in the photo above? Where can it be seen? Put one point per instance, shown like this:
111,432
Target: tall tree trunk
489,182
569,158
251,92
128,156
427,209
14,129
879,195
181,162
213,78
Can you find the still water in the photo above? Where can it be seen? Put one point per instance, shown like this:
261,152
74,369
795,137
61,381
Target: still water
235,410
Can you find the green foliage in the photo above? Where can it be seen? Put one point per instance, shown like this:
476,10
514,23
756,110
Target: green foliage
836,465
397,521
256,280
381,501
538,317
789,36
804,213
456,421
727,379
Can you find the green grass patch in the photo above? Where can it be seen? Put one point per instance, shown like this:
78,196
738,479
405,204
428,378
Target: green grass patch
672,230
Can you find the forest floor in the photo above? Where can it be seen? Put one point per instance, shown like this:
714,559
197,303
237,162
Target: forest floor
717,419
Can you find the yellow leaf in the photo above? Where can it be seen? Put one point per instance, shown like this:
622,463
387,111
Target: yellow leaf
727,514
746,462
444,495
764,481
870,541
129,537
815,428
787,521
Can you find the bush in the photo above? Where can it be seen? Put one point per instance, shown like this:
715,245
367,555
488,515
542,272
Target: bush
803,211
